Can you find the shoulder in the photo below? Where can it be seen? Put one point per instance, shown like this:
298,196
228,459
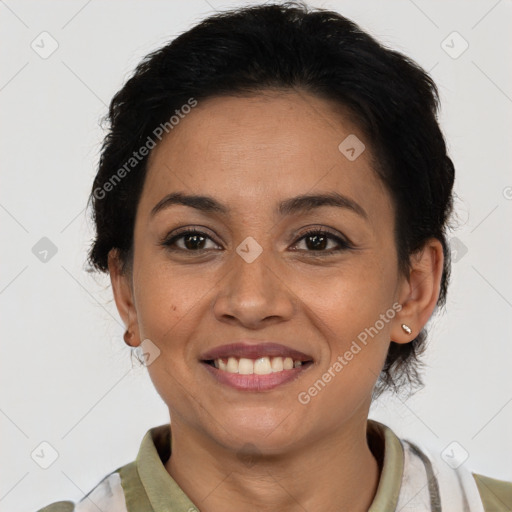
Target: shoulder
496,494
443,479
107,496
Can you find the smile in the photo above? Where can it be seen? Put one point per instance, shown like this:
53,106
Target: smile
255,367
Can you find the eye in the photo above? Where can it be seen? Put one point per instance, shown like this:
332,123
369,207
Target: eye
192,240
317,240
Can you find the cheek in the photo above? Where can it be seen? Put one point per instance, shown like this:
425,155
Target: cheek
168,305
168,302
354,310
357,332
164,292
351,297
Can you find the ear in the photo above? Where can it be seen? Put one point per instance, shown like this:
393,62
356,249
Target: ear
418,292
123,296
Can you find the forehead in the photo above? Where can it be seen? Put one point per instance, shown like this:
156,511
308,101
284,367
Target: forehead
250,150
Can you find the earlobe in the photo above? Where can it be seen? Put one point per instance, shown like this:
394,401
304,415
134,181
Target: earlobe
419,291
123,296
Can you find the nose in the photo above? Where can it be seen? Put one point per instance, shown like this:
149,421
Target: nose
254,295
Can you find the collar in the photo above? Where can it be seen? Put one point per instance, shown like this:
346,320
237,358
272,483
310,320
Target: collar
164,493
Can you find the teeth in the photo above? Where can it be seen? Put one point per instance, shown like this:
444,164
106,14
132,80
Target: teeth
245,366
261,366
277,364
232,366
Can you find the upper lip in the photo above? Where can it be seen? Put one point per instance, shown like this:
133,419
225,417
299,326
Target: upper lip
254,349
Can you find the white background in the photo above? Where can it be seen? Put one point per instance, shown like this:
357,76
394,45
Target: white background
66,375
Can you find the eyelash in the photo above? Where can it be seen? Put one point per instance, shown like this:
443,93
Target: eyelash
343,244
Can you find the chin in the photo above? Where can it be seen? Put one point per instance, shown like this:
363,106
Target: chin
267,429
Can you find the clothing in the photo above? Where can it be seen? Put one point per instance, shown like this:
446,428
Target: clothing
413,479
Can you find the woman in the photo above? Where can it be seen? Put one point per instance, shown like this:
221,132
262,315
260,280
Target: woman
271,206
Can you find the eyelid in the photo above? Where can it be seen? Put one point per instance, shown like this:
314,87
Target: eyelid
199,230
341,240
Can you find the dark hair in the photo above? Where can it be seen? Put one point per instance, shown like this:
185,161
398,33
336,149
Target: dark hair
289,46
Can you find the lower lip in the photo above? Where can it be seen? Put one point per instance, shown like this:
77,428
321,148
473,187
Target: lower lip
255,382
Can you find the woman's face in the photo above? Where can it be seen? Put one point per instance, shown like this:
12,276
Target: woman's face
253,278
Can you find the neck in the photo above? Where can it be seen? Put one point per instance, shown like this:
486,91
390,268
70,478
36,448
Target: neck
336,472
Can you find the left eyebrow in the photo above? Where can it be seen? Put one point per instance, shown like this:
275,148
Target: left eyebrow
292,206
304,203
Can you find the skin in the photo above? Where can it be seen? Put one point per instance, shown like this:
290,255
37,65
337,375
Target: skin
249,153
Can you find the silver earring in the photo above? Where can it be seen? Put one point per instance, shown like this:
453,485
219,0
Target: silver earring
406,328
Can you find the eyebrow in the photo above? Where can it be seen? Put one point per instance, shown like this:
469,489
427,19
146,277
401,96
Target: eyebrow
292,206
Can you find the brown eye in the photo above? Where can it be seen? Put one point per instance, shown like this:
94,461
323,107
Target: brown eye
192,240
318,240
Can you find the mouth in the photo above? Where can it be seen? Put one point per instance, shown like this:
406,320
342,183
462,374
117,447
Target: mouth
261,366
255,367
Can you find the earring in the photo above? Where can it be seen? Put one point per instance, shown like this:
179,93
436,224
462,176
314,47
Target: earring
406,328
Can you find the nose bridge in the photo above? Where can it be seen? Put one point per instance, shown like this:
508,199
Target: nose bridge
251,274
253,289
